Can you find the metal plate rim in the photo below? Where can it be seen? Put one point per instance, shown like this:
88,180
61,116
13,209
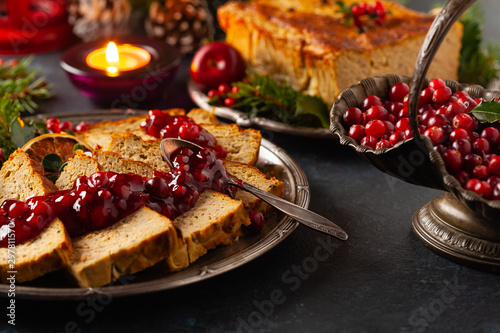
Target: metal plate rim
283,228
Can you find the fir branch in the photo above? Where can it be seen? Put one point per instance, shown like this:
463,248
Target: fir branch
20,88
260,95
22,84
478,63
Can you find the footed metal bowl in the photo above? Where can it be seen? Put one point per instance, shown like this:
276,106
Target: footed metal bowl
460,224
414,161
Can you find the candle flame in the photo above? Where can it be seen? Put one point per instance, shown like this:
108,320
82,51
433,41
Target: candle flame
112,53
112,57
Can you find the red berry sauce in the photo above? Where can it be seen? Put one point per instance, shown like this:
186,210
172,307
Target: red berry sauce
102,199
162,125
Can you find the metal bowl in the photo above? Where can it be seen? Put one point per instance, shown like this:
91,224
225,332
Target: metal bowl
414,160
460,224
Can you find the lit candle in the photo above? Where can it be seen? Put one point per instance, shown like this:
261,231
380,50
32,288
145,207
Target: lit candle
114,59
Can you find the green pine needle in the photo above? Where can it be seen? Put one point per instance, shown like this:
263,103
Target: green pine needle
20,89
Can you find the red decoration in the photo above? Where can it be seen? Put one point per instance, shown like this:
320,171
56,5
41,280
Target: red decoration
29,26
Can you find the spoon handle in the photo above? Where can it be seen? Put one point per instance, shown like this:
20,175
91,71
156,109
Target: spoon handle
302,215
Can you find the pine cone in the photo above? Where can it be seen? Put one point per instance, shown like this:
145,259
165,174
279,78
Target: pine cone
95,19
182,24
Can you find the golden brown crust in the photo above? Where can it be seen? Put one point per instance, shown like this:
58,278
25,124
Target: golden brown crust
215,219
126,247
311,49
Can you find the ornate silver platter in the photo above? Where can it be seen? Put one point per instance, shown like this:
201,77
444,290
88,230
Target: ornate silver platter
242,119
273,161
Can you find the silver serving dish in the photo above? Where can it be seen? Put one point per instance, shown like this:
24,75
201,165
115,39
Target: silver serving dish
240,118
273,161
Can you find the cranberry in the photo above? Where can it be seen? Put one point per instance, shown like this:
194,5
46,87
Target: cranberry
463,177
369,141
229,101
402,125
98,179
435,134
158,187
468,103
223,88
436,84
235,89
480,187
493,181
82,126
353,116
471,160
496,192
357,10
396,137
212,93
257,223
370,101
437,121
375,128
53,125
492,135
481,146
398,92
441,95
383,144
454,109
18,209
463,146
189,132
463,120
426,96
395,108
357,132
423,119
403,113
377,112
480,172
494,166
459,134
453,160
67,126
389,127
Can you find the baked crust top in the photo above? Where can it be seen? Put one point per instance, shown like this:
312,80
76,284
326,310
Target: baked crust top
320,28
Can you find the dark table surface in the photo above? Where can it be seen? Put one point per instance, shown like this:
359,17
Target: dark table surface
383,279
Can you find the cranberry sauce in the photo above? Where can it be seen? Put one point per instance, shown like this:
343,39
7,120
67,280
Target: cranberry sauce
102,199
162,125
22,221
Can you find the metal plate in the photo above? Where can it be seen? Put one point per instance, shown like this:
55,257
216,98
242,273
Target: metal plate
242,119
273,161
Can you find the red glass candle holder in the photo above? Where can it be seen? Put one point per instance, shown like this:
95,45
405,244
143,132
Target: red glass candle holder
142,84
32,26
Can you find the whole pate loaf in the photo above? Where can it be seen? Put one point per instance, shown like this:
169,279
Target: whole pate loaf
306,43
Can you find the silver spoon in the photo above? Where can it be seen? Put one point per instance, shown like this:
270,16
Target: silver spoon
304,216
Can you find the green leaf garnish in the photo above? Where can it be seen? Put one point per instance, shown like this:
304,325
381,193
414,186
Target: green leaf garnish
487,112
78,147
52,162
52,177
21,132
315,106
